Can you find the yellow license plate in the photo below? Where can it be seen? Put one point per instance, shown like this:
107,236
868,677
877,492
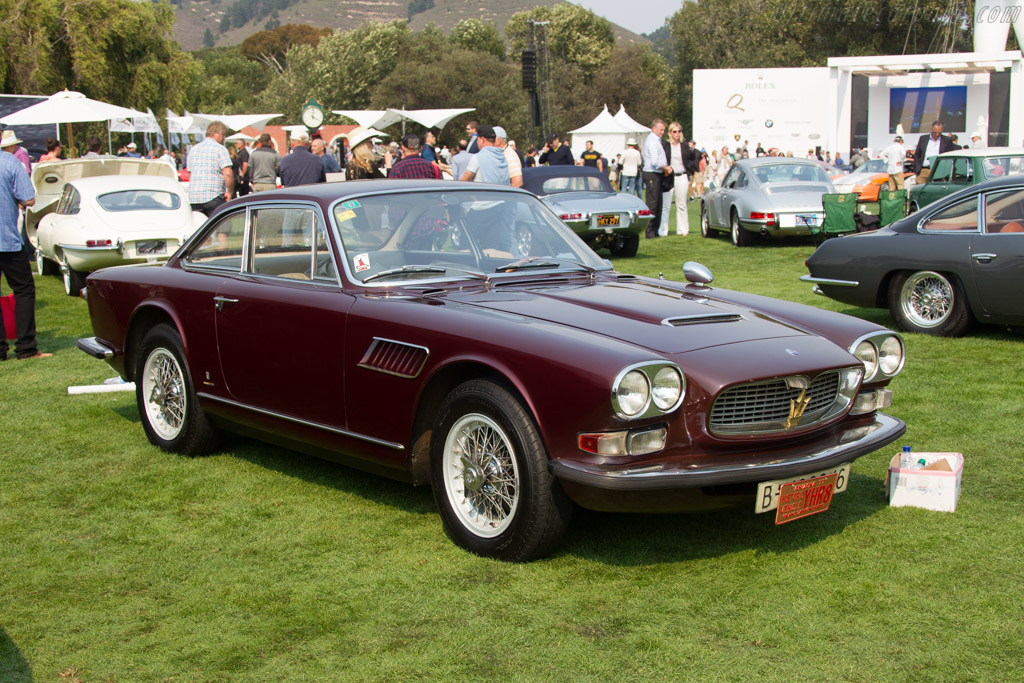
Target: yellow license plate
607,220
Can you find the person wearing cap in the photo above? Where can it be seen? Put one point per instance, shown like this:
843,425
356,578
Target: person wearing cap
132,151
264,162
363,164
489,165
16,194
515,166
976,141
555,153
412,165
894,156
9,143
211,177
301,167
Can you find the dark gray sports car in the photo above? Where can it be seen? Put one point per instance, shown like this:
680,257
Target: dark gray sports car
585,201
940,270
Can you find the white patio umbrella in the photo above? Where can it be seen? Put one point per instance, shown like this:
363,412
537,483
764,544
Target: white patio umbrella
69,107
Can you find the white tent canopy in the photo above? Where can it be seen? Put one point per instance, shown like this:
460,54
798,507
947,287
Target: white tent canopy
232,121
382,118
609,133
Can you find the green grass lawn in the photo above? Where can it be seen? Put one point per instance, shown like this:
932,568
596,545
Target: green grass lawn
121,562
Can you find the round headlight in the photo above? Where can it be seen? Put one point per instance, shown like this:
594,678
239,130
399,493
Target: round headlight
890,355
668,388
632,393
866,354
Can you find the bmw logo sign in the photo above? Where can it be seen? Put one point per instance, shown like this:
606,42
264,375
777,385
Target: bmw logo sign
769,123
792,352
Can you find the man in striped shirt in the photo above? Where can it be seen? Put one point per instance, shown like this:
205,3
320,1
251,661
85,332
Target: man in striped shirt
412,165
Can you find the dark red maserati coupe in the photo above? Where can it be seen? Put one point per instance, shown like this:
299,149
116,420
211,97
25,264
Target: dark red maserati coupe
461,335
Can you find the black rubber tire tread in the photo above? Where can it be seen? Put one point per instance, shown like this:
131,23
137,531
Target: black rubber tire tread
739,236
960,319
76,280
544,509
49,267
705,222
199,436
630,245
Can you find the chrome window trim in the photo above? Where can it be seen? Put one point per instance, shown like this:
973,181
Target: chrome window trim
307,423
943,206
284,204
199,235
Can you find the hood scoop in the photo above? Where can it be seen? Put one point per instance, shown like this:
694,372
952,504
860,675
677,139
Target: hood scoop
702,318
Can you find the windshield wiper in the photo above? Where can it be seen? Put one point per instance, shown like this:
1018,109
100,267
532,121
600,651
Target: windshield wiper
542,262
422,269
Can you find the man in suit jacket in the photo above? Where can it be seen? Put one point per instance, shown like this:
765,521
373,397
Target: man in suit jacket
929,146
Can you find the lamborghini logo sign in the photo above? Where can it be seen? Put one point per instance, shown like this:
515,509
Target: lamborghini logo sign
797,406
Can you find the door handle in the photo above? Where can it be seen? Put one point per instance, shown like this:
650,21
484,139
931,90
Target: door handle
983,258
221,300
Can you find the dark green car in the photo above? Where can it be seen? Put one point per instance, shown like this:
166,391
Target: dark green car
954,171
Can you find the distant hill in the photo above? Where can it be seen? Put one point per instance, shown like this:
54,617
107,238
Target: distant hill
194,17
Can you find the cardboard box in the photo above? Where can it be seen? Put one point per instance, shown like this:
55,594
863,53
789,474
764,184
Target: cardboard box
934,487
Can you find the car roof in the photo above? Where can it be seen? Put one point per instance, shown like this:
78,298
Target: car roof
97,185
985,152
560,171
766,161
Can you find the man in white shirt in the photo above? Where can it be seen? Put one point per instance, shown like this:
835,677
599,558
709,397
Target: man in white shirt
631,161
655,168
894,156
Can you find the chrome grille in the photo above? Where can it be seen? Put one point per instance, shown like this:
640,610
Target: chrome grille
764,407
394,358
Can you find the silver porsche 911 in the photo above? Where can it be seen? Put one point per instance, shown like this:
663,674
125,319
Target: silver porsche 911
770,196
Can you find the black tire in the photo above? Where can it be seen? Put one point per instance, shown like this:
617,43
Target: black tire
625,246
740,237
705,221
74,280
166,398
929,303
45,266
914,207
886,186
489,473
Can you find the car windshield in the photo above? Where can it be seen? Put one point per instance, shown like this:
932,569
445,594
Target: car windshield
997,167
139,200
790,173
460,233
872,166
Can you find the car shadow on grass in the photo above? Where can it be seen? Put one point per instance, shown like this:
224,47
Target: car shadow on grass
13,666
625,539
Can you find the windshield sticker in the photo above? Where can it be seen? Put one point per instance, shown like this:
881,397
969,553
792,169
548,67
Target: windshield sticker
350,205
346,215
361,262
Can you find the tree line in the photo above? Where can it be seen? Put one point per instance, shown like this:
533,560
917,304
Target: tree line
123,52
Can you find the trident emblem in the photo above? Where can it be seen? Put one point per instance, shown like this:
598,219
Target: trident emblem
797,406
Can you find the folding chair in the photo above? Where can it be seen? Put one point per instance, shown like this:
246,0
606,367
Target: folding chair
892,206
839,210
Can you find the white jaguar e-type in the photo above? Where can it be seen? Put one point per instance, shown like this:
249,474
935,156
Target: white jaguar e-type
109,211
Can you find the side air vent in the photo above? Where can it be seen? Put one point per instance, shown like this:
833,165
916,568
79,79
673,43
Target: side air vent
702,318
394,358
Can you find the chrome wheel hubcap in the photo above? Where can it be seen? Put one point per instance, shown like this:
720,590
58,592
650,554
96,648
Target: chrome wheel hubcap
480,475
163,389
927,299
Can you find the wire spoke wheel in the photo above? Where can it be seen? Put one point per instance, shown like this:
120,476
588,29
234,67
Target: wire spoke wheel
165,394
927,299
481,475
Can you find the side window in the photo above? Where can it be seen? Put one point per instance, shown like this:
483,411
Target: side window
70,201
942,171
960,216
741,180
731,177
962,171
222,245
291,242
1004,212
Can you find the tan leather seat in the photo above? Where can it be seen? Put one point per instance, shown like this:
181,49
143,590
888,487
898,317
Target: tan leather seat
1012,227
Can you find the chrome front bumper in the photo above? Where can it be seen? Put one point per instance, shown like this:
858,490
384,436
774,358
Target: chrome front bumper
851,444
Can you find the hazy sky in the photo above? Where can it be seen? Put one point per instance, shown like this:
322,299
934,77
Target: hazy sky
639,16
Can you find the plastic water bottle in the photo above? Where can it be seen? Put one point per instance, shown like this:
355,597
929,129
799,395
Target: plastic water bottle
906,460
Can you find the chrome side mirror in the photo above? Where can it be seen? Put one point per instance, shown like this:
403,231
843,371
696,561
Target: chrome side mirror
697,274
